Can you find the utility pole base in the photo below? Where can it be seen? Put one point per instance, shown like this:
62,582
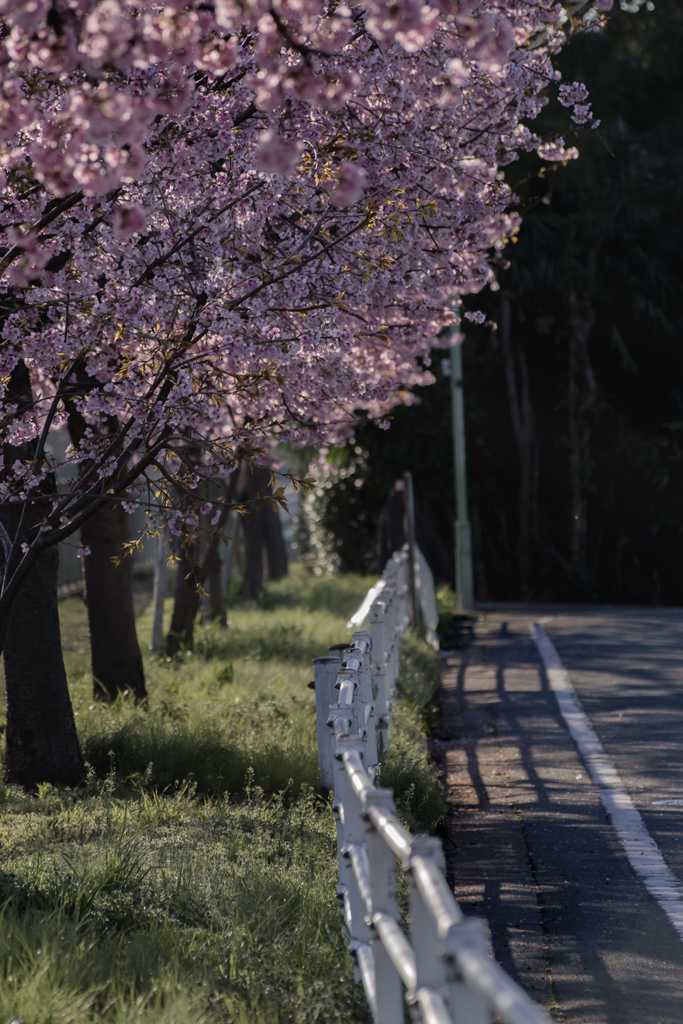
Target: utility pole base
464,583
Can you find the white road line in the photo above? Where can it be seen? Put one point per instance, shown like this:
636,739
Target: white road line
641,849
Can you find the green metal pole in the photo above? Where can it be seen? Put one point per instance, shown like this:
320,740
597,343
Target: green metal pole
463,541
409,524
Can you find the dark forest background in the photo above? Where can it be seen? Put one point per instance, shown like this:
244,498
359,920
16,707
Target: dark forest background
574,404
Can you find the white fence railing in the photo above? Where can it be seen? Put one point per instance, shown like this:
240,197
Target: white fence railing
445,968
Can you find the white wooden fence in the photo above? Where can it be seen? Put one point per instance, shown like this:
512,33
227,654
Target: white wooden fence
445,971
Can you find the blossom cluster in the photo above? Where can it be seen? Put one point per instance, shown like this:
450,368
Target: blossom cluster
575,95
235,223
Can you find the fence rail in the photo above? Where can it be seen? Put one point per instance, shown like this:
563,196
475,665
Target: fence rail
445,971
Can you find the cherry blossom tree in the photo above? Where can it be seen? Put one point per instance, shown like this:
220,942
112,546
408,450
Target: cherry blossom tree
227,225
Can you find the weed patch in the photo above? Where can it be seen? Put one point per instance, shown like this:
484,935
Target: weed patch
418,676
418,794
151,751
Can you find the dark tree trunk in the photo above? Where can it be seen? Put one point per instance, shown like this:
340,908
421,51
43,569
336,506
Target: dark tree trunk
214,603
115,656
254,540
187,597
262,535
117,665
481,587
197,564
42,745
582,394
41,742
523,417
275,543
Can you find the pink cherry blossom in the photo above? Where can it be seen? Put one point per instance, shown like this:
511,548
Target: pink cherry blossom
237,224
352,178
569,94
276,156
129,220
575,95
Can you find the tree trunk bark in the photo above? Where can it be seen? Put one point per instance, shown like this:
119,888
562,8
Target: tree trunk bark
581,396
192,573
116,661
187,598
42,745
117,666
41,742
254,541
214,603
523,417
263,536
275,543
481,588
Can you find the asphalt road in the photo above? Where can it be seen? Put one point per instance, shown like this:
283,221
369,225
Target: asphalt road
529,843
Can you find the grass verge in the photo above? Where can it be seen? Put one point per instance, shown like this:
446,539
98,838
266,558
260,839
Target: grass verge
194,878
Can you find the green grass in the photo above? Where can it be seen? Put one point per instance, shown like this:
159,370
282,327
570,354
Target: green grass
194,878
238,703
171,909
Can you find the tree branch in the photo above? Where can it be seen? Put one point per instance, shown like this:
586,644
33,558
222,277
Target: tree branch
46,219
160,260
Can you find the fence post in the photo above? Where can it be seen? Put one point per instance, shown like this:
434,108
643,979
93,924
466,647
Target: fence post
405,591
468,1006
390,1008
337,772
393,641
339,778
430,966
379,673
367,700
324,678
354,835
355,710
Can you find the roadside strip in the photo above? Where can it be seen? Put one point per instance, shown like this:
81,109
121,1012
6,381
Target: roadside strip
642,851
